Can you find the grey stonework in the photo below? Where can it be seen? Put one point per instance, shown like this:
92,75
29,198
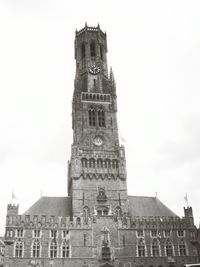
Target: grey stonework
98,224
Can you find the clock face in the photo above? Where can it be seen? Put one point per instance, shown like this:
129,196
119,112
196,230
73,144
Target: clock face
94,69
98,141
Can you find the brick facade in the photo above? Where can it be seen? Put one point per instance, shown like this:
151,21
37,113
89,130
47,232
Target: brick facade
98,224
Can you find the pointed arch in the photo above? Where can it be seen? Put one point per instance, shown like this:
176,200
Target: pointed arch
101,52
65,249
92,163
101,117
118,211
92,116
86,211
155,248
141,248
114,163
36,249
92,49
53,249
99,163
19,249
182,248
84,162
107,163
169,248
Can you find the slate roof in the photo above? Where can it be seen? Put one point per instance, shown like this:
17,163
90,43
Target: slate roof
55,206
148,206
61,206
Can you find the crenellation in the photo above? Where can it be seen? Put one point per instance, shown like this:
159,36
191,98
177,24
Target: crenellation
98,224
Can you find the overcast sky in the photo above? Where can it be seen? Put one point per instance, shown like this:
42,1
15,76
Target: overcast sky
154,50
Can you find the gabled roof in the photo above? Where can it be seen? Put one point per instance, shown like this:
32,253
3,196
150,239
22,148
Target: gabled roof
148,206
52,206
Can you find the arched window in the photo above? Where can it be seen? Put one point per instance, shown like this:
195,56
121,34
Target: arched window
155,248
101,52
101,117
83,50
99,163
92,163
141,248
118,211
182,248
92,50
19,249
92,117
65,249
78,221
169,248
84,162
124,241
107,163
36,249
53,249
86,211
115,163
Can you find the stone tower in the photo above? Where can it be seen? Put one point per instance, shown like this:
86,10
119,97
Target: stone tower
98,224
97,169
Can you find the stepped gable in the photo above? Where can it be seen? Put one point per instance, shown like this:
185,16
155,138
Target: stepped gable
54,206
148,206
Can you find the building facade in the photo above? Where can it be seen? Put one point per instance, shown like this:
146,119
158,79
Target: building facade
2,252
98,224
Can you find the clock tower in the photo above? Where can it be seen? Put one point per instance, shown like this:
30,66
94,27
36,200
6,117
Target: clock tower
97,168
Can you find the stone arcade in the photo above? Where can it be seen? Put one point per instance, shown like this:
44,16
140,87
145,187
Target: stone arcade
97,224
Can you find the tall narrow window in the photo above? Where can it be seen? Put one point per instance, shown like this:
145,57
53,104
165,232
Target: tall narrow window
65,249
92,50
84,162
53,249
124,241
182,248
83,51
101,52
84,240
36,249
19,233
19,249
101,117
107,163
92,117
155,248
141,248
169,248
99,163
91,163
36,233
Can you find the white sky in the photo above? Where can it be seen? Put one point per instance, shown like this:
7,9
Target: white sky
154,49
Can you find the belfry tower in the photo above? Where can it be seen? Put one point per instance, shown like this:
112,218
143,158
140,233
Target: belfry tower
97,169
98,224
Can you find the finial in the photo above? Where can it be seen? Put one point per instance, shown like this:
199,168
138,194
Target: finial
98,26
85,24
186,200
112,75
